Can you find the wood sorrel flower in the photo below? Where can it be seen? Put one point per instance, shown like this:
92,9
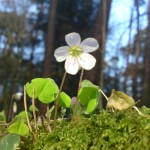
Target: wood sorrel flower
76,53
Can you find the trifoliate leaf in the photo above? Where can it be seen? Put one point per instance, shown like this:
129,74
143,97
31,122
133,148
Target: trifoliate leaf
19,128
64,101
85,94
92,104
45,89
22,117
31,108
10,142
88,97
87,83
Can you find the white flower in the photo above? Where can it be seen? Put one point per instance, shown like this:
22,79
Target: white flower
76,53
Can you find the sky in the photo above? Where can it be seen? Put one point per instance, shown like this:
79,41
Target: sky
118,24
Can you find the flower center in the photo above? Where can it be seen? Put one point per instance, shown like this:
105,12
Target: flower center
75,51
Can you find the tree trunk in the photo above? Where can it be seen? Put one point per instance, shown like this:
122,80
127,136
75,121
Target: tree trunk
100,32
137,51
128,51
146,81
49,47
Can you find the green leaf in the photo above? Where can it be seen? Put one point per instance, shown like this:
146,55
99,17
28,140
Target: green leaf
31,108
38,85
92,104
22,117
85,94
10,142
45,89
87,83
88,97
18,128
64,101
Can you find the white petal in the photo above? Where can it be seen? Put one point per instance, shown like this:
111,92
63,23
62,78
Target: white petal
73,39
61,53
71,65
87,61
89,45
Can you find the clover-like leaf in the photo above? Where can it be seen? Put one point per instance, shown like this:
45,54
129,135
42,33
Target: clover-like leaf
22,117
19,128
87,83
85,94
92,104
31,108
45,89
10,142
64,101
88,96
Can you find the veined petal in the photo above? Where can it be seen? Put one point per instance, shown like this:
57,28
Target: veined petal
61,53
87,61
71,65
89,45
73,39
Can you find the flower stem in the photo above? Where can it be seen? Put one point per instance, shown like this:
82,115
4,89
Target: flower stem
58,97
28,122
76,103
81,77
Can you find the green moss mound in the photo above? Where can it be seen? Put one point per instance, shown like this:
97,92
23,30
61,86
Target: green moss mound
121,130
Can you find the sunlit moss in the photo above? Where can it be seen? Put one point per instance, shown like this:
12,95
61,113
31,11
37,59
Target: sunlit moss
120,130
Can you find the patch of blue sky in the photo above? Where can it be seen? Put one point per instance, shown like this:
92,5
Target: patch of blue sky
18,6
119,27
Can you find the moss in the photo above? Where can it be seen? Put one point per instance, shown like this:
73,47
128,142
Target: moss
121,130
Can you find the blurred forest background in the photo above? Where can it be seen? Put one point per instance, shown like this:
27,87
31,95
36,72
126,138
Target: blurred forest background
31,30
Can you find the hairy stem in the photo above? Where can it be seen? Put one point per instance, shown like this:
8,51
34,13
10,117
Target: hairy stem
58,97
33,109
25,108
81,77
76,102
